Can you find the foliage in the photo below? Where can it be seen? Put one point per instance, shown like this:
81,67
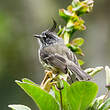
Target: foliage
19,107
72,95
56,93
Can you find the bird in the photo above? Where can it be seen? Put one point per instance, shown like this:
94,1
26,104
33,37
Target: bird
54,55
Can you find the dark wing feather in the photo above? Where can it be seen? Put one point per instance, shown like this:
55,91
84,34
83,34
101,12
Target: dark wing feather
80,74
63,64
56,61
72,57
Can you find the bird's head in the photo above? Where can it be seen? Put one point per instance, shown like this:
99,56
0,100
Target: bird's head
48,37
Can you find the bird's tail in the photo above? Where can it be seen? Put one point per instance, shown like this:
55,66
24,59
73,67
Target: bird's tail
76,71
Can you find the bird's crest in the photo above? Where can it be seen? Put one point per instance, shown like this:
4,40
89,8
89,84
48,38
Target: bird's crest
53,27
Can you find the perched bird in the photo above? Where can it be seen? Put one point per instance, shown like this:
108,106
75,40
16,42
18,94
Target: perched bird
55,56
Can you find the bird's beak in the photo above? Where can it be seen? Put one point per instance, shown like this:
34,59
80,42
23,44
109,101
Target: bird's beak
38,36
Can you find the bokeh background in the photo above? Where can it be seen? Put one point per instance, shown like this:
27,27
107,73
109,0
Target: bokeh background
20,19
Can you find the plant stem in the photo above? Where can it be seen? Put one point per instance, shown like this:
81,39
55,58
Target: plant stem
106,95
61,103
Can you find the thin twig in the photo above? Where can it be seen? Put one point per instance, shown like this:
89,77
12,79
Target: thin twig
61,103
106,95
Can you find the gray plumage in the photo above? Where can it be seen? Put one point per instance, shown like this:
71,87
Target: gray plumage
57,57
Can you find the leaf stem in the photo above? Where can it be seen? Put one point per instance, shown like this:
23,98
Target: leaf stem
61,103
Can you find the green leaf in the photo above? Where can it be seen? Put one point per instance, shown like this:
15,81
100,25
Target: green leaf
72,48
81,94
107,69
79,51
40,96
81,62
66,37
75,49
93,71
64,95
65,14
105,105
28,81
18,107
75,3
78,41
82,7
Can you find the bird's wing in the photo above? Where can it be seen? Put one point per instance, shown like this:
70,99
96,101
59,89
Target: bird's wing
55,60
72,57
63,50
64,64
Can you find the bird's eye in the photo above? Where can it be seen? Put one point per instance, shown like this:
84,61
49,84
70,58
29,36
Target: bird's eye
47,34
43,34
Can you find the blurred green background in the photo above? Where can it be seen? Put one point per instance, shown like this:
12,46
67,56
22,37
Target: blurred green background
20,19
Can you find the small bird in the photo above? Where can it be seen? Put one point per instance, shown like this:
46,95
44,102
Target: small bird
55,56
